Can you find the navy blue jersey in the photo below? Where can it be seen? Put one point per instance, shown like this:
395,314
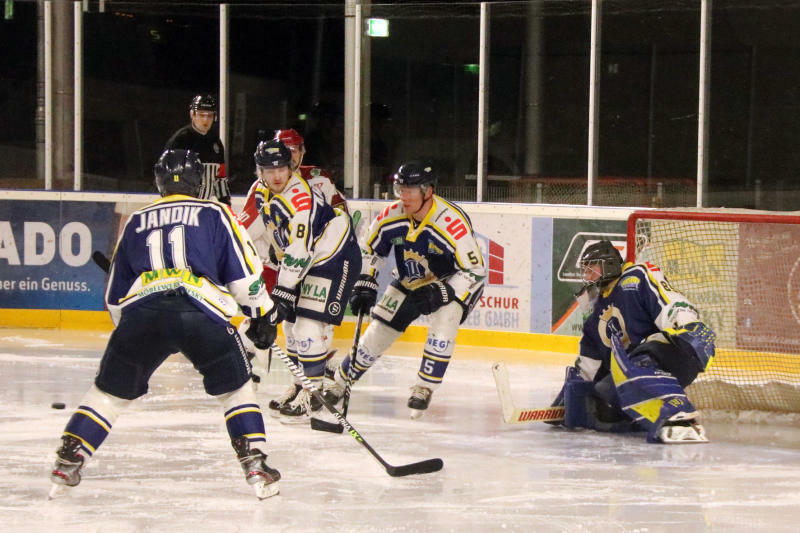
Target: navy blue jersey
440,247
638,304
305,229
192,246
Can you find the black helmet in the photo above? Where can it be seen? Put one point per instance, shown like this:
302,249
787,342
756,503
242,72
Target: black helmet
179,172
203,102
415,173
272,154
602,253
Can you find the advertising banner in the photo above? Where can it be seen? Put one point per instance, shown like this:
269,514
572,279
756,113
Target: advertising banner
45,254
570,239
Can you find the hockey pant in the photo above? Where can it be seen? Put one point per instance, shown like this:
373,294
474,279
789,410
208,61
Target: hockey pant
439,345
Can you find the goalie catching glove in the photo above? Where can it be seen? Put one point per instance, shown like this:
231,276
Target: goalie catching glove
365,294
694,339
431,297
262,331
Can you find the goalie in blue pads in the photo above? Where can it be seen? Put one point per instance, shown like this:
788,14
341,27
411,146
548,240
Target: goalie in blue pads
633,307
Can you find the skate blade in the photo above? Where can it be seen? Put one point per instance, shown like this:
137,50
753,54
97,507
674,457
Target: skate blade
416,414
56,490
294,420
265,490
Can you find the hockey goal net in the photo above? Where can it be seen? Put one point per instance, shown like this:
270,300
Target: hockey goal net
742,271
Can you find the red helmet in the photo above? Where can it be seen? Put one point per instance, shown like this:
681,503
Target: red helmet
290,138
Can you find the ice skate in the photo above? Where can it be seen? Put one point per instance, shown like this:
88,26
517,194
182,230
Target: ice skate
67,469
683,428
299,409
263,479
331,364
275,405
334,389
419,400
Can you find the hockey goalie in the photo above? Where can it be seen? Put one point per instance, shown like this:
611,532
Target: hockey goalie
642,344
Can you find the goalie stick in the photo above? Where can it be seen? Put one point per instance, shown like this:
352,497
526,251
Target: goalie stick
513,415
422,467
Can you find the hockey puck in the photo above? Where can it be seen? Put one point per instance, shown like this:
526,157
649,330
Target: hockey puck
57,405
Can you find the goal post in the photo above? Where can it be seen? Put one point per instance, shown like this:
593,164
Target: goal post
741,269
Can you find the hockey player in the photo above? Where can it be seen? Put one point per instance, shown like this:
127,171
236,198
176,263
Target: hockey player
201,136
440,273
182,268
315,176
253,222
642,344
319,259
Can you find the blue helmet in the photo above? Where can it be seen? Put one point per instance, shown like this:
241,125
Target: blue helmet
179,172
272,154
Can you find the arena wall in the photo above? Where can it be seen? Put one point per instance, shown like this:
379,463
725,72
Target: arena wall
48,279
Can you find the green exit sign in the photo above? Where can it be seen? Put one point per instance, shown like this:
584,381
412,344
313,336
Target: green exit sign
377,27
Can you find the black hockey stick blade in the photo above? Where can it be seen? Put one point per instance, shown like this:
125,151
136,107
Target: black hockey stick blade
322,425
101,260
423,467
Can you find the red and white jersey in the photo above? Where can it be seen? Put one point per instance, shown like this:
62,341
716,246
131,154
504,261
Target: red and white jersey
250,217
252,220
321,180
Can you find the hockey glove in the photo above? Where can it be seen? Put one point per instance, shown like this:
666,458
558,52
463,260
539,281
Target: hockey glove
262,332
285,300
694,339
431,297
365,294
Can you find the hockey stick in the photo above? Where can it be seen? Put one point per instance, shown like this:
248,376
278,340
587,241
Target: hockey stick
321,425
513,415
353,352
421,467
101,260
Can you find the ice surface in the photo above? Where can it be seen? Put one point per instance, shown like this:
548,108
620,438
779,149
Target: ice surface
168,464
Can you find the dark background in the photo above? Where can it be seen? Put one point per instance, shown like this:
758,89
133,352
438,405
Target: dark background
143,63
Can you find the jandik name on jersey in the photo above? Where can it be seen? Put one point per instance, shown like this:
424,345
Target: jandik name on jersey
179,214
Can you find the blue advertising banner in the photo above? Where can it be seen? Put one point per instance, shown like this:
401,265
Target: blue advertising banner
45,253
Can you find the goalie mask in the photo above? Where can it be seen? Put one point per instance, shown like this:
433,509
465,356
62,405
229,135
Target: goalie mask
601,263
178,172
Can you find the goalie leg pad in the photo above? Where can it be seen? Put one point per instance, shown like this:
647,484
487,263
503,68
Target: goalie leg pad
649,396
577,396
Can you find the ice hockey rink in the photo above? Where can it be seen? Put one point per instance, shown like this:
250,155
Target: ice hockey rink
168,464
